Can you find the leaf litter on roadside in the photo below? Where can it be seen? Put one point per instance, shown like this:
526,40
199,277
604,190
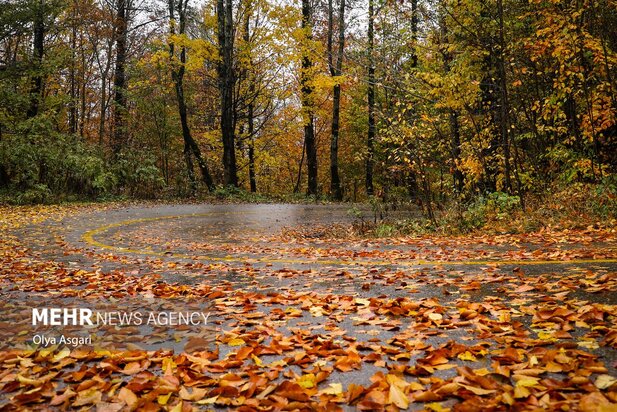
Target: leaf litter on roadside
366,338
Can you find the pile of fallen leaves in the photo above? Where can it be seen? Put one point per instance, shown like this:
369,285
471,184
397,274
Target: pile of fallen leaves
365,338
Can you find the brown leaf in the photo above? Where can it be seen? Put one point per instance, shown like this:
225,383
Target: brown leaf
129,398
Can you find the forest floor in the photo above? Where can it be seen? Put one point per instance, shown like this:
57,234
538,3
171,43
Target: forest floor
298,312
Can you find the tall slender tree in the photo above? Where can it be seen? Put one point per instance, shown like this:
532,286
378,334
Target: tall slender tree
370,141
453,114
38,47
504,104
119,131
251,103
191,148
336,66
226,87
306,80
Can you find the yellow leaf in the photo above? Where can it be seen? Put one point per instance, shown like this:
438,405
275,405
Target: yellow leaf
546,335
605,381
257,361
61,355
435,316
588,344
507,399
293,311
236,342
521,392
87,397
102,352
415,386
208,401
332,389
527,382
28,381
477,390
316,311
398,397
168,366
436,407
163,399
278,363
467,356
45,352
178,407
395,380
307,381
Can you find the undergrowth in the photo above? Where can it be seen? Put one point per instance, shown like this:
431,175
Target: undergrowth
572,206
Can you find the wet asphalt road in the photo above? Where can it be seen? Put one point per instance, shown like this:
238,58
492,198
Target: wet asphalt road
147,239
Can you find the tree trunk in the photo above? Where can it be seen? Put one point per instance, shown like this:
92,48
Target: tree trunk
457,174
251,143
4,177
120,99
189,167
504,121
335,70
103,108
411,179
371,101
307,103
38,50
72,74
414,33
226,86
453,115
83,119
297,185
251,106
177,74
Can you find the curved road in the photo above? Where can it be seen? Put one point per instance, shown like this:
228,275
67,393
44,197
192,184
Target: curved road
302,250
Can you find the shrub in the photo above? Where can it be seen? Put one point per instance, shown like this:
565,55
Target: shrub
40,163
497,206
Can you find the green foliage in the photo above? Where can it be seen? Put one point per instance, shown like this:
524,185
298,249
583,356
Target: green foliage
496,207
43,165
40,162
603,201
355,213
138,175
384,230
39,193
236,194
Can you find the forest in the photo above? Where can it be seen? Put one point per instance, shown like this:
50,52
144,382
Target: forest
429,101
372,205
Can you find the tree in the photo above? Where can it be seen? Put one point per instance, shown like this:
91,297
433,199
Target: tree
335,71
177,74
370,140
250,116
226,87
120,84
453,113
306,79
38,47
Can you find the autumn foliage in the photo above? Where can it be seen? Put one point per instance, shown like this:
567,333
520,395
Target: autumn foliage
434,101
